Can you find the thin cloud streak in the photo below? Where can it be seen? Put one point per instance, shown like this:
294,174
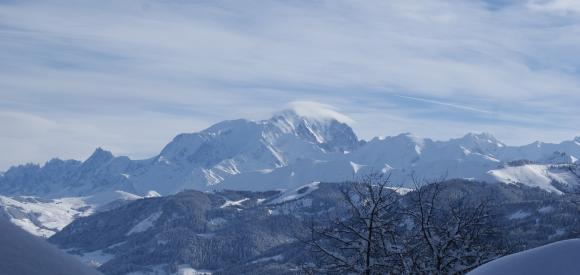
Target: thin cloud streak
447,104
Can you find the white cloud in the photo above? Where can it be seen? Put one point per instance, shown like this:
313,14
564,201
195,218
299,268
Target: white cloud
319,111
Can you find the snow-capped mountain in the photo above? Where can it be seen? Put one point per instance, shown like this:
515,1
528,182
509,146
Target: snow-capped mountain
285,151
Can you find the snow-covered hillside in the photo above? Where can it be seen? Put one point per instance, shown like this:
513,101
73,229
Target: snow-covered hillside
559,258
537,175
247,232
44,217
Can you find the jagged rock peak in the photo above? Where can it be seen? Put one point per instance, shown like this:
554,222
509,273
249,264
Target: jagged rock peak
99,156
323,126
482,138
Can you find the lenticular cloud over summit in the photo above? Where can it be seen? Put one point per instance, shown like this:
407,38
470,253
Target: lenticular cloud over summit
318,110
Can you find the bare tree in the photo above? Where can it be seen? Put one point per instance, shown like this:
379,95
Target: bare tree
363,241
431,230
451,235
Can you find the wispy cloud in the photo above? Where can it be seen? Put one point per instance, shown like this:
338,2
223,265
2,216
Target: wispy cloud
319,110
143,70
447,104
555,5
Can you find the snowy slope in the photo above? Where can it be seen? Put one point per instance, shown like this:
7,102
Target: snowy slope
296,193
559,258
207,230
536,175
44,217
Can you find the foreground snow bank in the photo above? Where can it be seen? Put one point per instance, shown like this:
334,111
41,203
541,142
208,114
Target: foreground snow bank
22,253
559,258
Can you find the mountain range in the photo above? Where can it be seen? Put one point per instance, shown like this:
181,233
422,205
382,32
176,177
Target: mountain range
284,152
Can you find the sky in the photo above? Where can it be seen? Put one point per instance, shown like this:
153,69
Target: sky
130,75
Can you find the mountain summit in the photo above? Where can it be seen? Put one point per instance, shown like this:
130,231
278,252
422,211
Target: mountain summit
328,132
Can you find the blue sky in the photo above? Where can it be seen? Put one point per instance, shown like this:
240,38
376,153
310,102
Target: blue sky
130,75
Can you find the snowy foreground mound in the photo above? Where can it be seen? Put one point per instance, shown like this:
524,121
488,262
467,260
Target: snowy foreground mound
559,258
22,253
